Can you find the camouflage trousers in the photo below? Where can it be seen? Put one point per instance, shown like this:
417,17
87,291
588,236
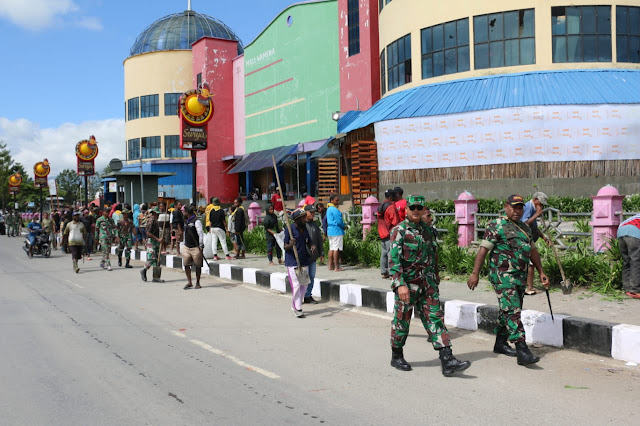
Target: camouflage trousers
510,291
126,243
426,300
153,253
105,249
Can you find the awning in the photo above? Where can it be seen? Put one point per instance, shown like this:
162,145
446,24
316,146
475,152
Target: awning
262,159
329,149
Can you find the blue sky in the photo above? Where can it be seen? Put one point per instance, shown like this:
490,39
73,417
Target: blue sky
62,74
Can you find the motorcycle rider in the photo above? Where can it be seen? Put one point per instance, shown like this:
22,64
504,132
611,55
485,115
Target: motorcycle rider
34,229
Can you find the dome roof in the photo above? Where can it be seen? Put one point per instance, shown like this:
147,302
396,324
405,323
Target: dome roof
179,30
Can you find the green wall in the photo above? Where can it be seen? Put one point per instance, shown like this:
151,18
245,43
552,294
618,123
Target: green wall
308,54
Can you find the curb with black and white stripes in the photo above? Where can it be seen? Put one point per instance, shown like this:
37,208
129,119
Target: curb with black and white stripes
619,341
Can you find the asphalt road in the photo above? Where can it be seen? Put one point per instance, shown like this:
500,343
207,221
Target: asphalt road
105,348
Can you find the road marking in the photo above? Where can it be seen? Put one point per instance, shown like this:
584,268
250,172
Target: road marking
77,285
230,357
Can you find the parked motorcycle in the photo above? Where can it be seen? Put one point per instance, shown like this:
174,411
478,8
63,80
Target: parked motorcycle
42,245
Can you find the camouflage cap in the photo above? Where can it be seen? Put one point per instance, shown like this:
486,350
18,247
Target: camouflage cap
416,200
515,199
155,210
542,197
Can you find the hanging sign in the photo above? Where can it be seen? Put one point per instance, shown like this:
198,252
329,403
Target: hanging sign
86,152
15,180
41,170
195,108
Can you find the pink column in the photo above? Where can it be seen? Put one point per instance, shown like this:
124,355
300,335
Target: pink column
605,221
369,215
253,211
465,207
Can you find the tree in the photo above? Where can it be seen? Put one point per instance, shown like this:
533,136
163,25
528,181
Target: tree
68,183
6,170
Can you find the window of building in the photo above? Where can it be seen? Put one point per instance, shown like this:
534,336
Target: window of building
150,147
383,74
354,26
149,106
133,108
581,33
445,48
382,3
133,149
504,39
171,103
628,34
399,62
198,79
125,111
172,147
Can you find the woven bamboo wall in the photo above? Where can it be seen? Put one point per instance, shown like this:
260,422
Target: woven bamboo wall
561,169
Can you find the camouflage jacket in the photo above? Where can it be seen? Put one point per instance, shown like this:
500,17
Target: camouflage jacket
105,229
413,255
125,228
509,244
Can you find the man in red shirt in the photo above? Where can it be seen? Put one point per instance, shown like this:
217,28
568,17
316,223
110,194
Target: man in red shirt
387,219
401,204
276,200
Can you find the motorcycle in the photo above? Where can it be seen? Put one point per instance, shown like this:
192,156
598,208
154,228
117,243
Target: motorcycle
42,245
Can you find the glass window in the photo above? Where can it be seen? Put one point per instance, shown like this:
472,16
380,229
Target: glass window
198,79
150,147
628,34
581,33
383,76
133,149
382,3
505,39
354,26
399,62
171,103
172,147
445,48
133,109
149,106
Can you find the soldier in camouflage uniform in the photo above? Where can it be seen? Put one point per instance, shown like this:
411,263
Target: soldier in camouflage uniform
9,224
105,234
153,247
125,229
510,246
415,278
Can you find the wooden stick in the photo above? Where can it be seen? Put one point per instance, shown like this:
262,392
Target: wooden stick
286,217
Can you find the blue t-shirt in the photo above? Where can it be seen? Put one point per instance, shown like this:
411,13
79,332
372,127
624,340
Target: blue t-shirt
334,221
302,240
529,210
33,227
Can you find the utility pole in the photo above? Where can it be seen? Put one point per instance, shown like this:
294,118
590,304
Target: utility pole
194,192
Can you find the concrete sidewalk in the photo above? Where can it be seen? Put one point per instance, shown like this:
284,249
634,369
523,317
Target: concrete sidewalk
583,320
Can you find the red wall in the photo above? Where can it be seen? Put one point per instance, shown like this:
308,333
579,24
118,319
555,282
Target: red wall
359,74
214,59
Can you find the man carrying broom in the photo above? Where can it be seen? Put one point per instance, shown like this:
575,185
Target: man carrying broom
296,258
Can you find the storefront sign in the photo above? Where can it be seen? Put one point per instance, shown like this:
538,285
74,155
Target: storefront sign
194,138
113,186
14,190
195,109
86,168
40,182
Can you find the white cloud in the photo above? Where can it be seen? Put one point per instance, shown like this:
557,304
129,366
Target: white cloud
40,14
29,144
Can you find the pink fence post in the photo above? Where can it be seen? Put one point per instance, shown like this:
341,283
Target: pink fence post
253,211
605,221
369,215
465,207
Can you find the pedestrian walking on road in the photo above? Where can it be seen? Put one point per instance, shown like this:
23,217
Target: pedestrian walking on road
164,222
240,224
298,241
629,240
191,249
415,279
87,221
76,236
316,250
387,219
509,244
105,234
177,226
125,235
335,232
217,222
153,247
271,228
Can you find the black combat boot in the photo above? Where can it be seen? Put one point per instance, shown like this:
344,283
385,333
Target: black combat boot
449,363
502,346
525,357
126,265
143,274
119,260
398,361
156,275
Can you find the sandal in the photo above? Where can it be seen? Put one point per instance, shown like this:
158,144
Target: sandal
530,292
633,295
187,287
198,286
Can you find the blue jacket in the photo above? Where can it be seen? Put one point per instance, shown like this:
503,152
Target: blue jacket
335,224
136,213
